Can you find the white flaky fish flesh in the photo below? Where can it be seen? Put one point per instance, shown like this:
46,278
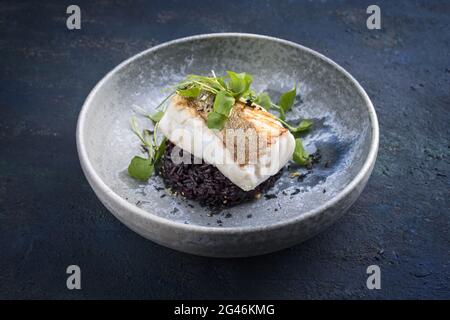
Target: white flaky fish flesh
252,146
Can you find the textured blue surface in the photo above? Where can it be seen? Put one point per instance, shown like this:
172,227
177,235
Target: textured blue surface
50,218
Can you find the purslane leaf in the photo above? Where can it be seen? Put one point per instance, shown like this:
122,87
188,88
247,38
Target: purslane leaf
236,83
223,103
300,156
263,99
286,101
248,81
216,120
304,125
239,82
140,168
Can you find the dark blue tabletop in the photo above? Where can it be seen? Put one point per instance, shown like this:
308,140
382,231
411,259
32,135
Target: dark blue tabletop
50,217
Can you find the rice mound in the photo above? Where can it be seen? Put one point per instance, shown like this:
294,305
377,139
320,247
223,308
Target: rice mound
205,184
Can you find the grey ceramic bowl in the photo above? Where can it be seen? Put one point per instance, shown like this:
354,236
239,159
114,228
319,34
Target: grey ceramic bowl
346,131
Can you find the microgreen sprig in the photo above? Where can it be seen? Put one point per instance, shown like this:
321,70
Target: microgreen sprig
227,91
142,168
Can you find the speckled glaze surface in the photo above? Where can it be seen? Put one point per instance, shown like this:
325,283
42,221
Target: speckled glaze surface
346,131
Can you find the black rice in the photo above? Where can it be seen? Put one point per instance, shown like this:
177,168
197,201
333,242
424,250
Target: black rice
205,184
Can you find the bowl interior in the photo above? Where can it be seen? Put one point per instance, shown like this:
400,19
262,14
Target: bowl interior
342,128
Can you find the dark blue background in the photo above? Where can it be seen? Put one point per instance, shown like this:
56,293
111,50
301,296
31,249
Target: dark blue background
50,217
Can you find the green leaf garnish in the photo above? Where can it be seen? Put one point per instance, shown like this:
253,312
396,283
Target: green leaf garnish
304,125
141,168
216,120
300,156
192,92
239,83
286,101
223,103
263,99
156,117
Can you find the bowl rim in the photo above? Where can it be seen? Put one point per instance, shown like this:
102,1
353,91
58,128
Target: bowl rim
92,175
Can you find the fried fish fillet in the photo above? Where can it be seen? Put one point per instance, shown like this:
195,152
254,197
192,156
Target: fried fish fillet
250,148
